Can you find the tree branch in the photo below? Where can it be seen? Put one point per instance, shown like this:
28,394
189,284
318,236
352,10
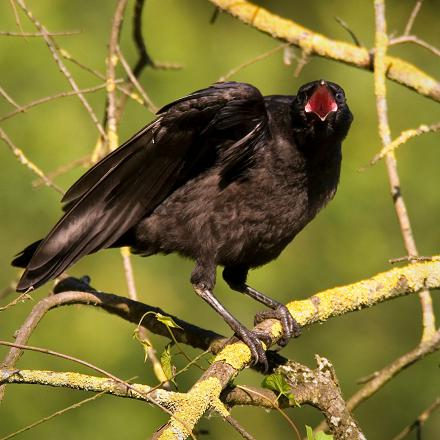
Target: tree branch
380,69
314,43
235,356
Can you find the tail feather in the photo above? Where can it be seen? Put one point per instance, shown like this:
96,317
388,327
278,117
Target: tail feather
22,259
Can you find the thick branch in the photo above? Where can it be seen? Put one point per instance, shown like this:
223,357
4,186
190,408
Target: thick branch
313,43
337,301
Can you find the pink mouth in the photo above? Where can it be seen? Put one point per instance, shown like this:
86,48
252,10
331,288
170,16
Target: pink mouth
321,102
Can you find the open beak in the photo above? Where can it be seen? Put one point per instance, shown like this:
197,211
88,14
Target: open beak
322,102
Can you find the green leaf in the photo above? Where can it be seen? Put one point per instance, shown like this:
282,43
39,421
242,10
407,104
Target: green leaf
146,344
277,383
321,435
167,320
167,366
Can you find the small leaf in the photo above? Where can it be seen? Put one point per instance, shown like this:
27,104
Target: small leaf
321,435
167,320
309,432
146,344
165,362
277,383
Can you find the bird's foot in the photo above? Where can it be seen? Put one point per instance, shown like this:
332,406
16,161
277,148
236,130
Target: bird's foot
289,326
253,340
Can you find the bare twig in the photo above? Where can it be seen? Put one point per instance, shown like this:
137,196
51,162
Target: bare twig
17,17
82,161
27,163
38,34
418,423
413,258
234,423
380,67
53,415
412,17
268,401
135,82
260,57
21,298
45,99
144,58
404,137
112,61
8,98
56,56
350,32
416,40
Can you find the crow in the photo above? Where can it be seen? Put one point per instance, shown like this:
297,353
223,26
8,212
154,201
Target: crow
223,176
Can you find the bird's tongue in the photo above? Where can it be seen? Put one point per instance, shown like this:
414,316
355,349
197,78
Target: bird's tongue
321,103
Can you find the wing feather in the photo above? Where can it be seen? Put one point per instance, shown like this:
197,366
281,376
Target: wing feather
225,121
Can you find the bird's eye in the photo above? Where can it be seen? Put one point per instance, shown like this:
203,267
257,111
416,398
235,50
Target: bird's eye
339,96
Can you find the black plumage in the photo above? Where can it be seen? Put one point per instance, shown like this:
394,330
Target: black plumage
223,176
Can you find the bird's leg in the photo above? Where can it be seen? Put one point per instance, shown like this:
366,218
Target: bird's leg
203,281
236,278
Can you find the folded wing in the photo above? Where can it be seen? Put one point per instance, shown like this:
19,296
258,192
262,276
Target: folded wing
224,122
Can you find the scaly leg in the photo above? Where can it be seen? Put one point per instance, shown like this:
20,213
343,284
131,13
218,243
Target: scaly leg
203,281
236,277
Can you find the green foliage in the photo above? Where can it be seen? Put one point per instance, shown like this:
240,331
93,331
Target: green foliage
166,363
277,382
321,435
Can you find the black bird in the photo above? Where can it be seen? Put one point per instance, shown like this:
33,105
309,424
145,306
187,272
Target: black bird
224,176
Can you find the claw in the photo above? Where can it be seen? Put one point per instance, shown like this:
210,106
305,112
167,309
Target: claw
253,341
289,326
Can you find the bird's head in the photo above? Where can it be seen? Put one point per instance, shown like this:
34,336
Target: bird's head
321,108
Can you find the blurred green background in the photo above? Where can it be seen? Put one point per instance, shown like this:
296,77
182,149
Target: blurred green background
350,240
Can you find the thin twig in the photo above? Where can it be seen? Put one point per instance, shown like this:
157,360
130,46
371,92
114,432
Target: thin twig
416,40
21,298
53,415
274,405
62,169
27,163
404,137
8,98
414,258
38,34
56,56
135,82
350,32
120,84
234,423
17,17
381,42
45,99
247,63
418,423
412,17
112,61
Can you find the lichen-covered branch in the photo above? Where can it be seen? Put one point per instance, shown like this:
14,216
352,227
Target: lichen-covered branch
320,307
404,137
314,43
380,70
320,388
382,377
